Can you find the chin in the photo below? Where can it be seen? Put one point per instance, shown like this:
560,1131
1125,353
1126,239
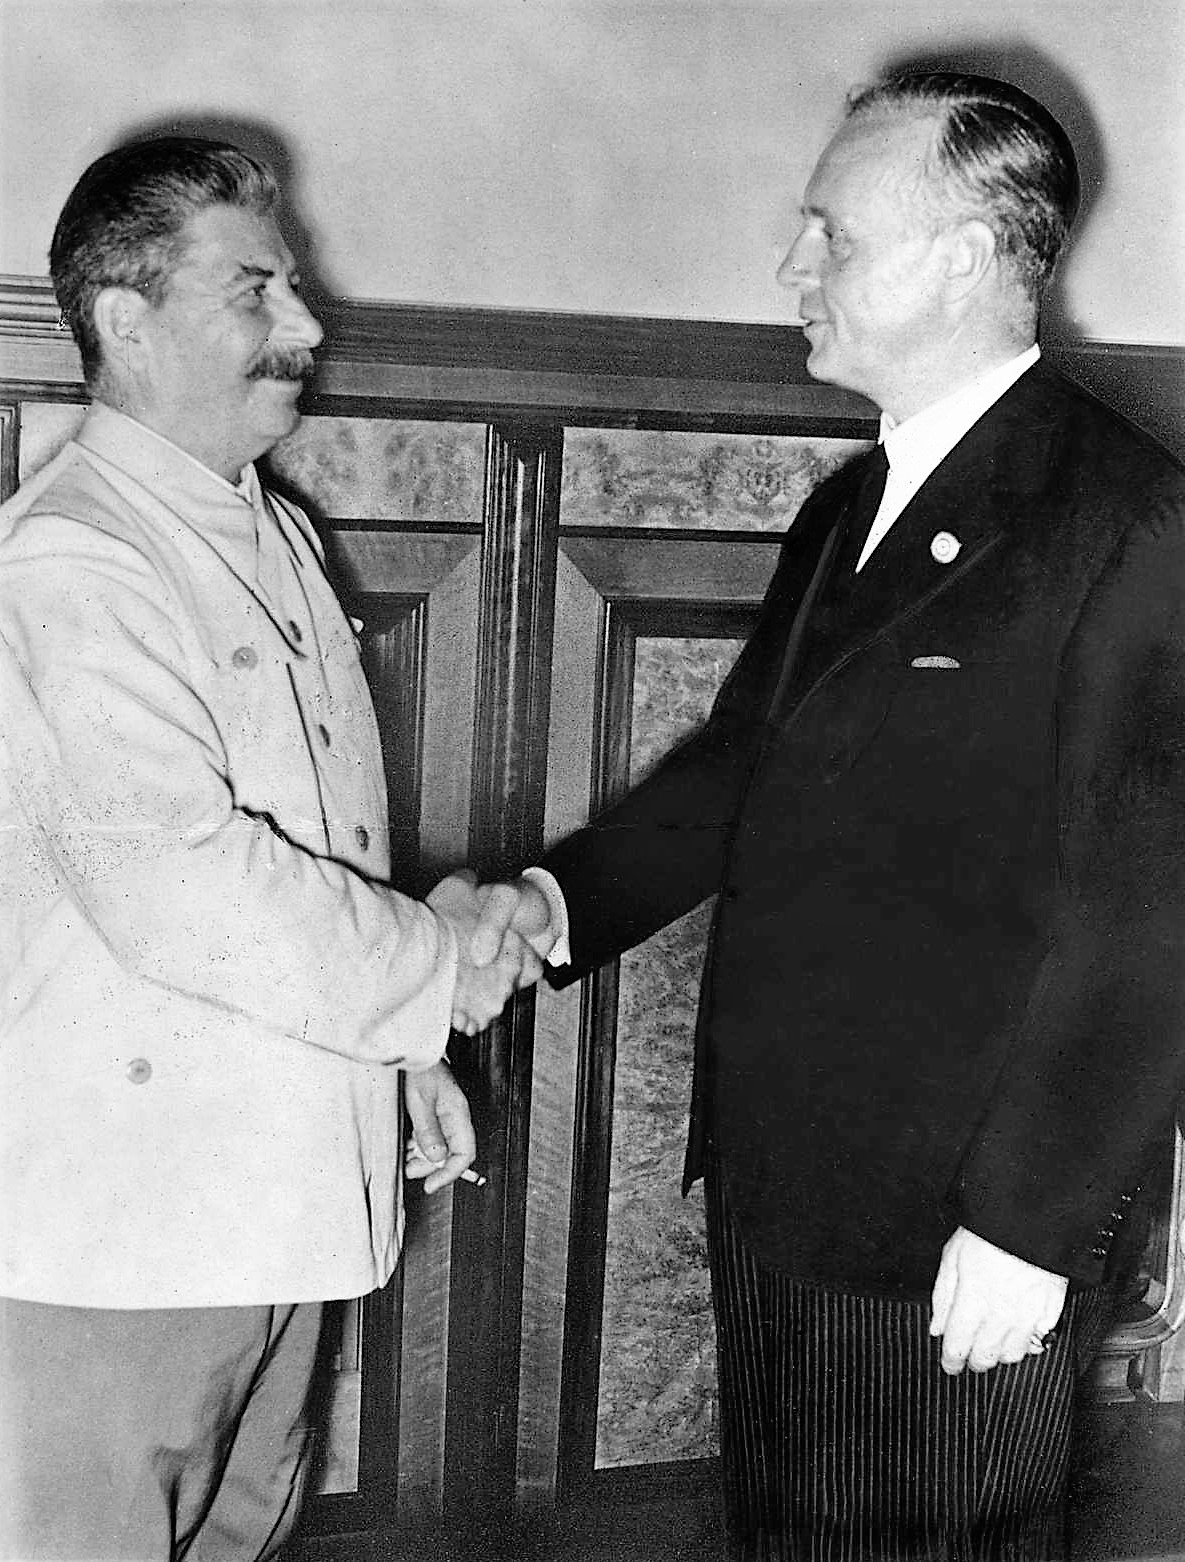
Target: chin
816,366
283,419
823,367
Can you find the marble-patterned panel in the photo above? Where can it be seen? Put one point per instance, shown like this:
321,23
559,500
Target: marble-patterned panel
346,468
385,469
714,482
657,1397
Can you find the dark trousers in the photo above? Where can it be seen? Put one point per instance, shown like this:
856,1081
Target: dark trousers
842,1440
149,1436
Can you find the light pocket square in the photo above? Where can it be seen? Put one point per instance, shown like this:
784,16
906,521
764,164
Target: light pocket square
934,661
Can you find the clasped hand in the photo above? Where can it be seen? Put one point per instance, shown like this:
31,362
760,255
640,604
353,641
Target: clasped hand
503,937
989,1307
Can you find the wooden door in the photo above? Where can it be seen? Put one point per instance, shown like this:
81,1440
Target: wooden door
666,544
546,607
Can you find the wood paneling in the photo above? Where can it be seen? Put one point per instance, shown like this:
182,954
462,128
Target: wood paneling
408,360
498,652
516,613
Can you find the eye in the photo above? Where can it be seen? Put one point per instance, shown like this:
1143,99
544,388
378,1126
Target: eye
839,243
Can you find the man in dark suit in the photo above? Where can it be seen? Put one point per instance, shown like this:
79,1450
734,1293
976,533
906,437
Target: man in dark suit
941,799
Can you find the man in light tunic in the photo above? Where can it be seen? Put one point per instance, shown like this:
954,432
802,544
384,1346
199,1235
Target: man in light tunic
213,1000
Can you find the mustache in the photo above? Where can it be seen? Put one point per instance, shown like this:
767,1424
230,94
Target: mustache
281,363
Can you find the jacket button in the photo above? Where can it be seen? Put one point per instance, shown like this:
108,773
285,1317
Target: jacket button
294,630
323,732
362,836
139,1071
244,657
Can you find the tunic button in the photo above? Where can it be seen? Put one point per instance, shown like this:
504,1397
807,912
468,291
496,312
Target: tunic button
245,656
324,732
139,1071
362,836
294,630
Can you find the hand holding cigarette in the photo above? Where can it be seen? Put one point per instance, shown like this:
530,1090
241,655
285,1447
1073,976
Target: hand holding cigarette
442,1143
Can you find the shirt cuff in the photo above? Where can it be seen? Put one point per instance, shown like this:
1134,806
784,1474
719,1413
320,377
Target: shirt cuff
561,951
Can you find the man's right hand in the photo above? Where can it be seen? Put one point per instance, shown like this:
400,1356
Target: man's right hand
494,956
521,909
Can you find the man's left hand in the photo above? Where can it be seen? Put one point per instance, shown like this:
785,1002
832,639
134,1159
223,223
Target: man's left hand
442,1142
493,958
990,1307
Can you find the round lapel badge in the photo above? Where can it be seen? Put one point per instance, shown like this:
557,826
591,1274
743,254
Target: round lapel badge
945,548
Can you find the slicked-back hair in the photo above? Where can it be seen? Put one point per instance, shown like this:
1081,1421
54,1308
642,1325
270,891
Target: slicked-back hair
998,155
123,223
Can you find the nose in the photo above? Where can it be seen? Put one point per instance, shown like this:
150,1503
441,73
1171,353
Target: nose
295,323
799,269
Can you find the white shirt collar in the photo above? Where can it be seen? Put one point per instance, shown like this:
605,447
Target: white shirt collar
922,440
915,446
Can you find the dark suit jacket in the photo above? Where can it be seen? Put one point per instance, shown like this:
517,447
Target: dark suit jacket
947,976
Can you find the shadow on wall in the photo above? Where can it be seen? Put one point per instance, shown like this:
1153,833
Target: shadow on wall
1026,67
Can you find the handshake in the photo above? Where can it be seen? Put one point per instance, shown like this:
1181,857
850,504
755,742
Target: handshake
504,934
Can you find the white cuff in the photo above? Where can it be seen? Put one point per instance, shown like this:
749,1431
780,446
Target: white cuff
561,952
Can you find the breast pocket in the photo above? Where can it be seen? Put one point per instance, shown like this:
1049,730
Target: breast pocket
250,691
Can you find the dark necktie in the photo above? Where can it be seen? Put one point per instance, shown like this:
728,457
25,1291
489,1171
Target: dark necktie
865,503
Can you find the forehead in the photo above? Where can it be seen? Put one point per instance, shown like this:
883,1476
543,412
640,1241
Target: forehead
224,243
876,162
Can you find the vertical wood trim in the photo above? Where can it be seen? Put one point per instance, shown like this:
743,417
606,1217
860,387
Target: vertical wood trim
515,623
396,664
10,429
624,621
393,656
517,613
596,1068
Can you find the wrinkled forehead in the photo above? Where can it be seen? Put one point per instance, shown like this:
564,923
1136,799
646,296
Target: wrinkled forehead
876,155
223,242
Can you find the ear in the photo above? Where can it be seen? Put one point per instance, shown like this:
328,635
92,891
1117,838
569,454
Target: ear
970,256
118,312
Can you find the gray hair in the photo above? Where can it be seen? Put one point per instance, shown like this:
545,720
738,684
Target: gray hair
998,155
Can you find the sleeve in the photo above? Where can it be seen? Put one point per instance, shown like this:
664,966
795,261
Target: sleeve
120,775
662,849
1099,1062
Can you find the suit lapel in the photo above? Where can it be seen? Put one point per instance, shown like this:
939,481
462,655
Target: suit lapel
956,521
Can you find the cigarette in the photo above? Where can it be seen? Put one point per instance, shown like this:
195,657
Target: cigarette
476,1178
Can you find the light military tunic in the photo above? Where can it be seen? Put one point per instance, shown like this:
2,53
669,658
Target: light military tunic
208,989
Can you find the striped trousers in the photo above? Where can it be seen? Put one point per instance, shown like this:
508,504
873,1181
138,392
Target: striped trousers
842,1440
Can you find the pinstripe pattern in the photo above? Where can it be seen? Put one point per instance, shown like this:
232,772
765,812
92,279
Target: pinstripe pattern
844,1441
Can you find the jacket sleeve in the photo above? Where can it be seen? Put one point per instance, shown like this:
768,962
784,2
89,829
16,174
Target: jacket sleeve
662,849
1099,1061
119,784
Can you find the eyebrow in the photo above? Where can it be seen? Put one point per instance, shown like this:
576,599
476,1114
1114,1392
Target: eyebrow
247,272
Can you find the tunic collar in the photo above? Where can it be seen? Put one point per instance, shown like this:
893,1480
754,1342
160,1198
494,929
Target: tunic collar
227,515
